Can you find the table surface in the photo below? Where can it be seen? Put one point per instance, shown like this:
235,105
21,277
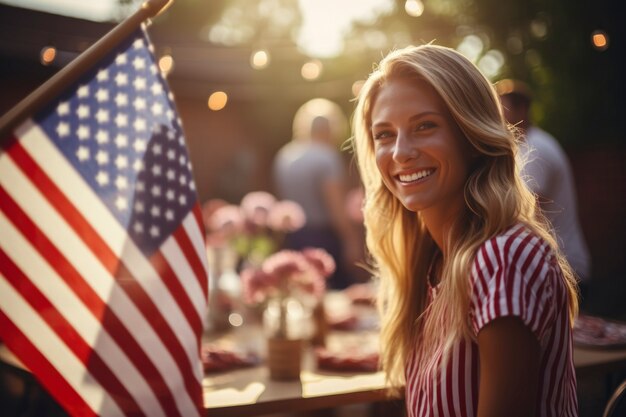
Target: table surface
250,391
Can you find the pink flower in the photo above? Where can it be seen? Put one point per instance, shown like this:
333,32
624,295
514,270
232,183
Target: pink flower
227,220
209,207
256,206
286,216
257,285
320,260
284,264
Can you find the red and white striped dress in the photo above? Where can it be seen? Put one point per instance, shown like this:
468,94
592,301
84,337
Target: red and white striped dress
513,274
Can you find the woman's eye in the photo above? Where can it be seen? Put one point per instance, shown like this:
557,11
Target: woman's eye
382,134
425,126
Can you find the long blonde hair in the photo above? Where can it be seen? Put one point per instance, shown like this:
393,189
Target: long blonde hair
495,199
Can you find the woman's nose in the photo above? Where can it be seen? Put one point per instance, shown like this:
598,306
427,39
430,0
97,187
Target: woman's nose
404,149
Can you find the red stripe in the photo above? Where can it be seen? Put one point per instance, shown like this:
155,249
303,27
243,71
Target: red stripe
70,337
45,372
197,266
461,380
112,263
91,300
203,276
173,284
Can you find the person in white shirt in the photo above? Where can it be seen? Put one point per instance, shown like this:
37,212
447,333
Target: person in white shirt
549,175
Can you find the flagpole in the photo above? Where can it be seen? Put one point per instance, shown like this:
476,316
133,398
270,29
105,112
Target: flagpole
54,86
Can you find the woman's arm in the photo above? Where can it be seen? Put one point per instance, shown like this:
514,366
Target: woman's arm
509,369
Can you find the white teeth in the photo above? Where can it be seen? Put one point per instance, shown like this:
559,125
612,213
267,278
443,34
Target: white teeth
416,175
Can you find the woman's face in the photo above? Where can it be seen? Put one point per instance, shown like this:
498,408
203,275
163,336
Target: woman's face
421,153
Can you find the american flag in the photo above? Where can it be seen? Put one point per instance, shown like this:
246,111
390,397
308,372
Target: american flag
103,275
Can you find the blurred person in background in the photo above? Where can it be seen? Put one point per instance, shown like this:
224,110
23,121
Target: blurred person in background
310,171
549,175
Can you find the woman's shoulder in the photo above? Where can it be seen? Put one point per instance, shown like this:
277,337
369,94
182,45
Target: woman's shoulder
516,246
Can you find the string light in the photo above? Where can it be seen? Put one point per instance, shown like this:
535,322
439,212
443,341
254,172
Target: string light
600,40
218,100
260,59
48,54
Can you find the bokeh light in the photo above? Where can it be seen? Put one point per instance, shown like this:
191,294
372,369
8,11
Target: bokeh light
311,70
235,319
356,87
48,54
414,7
471,46
218,100
166,64
600,40
491,63
260,59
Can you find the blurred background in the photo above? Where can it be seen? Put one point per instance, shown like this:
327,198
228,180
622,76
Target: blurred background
240,69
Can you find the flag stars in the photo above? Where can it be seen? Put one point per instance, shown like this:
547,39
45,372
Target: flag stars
171,135
138,227
82,132
139,104
121,162
83,91
121,203
63,129
155,211
171,154
140,186
157,109
103,75
155,191
63,109
169,214
102,95
138,165
138,43
121,100
157,149
170,195
121,182
121,79
102,116
139,63
139,145
139,83
121,140
140,124
82,111
121,120
182,199
102,136
156,88
121,59
170,114
182,180
102,157
139,207
156,170
82,153
182,159
154,231
102,178
171,174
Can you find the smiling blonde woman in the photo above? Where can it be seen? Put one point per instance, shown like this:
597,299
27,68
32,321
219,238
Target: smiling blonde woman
476,300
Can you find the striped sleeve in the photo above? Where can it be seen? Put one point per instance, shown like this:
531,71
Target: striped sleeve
513,275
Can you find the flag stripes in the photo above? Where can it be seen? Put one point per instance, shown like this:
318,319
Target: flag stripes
110,269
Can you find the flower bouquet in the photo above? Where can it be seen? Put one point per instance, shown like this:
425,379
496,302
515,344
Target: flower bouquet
288,283
243,234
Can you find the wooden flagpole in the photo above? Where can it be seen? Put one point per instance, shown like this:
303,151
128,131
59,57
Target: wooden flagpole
54,86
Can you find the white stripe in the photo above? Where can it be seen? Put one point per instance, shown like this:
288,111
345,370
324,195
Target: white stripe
456,400
197,240
467,373
97,277
56,352
73,310
114,235
178,262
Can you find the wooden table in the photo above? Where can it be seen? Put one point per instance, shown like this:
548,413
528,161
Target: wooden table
250,392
